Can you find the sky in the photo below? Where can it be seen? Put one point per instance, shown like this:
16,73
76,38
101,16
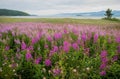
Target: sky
49,7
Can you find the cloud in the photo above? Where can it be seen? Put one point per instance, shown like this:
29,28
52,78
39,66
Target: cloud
59,6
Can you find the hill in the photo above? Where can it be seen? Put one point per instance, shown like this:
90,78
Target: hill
116,13
7,12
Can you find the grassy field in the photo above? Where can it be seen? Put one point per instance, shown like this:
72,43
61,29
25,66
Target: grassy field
79,49
61,20
55,48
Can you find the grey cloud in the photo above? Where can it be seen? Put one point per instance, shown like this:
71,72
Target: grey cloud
59,5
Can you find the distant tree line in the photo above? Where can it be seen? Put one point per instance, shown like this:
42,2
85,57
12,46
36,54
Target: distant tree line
6,12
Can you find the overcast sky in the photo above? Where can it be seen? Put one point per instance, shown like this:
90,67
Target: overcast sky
46,7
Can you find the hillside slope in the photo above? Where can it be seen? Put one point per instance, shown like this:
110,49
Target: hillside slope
6,12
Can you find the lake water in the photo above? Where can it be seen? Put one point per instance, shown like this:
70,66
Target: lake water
74,17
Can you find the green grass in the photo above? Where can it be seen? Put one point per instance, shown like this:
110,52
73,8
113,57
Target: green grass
61,20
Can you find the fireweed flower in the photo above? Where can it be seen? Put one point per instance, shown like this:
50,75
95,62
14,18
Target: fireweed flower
95,37
38,60
89,36
18,49
118,39
84,37
78,41
39,35
13,65
56,71
57,36
7,48
109,40
115,58
104,59
34,40
48,62
65,31
51,52
37,38
60,47
23,45
66,46
75,46
118,49
55,48
17,41
103,66
49,38
46,46
103,54
28,55
0,35
18,55
103,73
30,48
13,33
75,31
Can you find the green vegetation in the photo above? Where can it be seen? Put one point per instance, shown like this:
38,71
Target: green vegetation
58,57
45,48
61,20
6,12
108,13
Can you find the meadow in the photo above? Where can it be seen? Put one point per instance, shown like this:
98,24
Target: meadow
59,48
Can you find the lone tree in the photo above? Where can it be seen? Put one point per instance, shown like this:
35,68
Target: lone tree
108,13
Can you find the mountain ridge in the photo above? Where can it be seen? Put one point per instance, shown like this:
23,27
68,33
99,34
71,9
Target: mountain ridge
116,13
